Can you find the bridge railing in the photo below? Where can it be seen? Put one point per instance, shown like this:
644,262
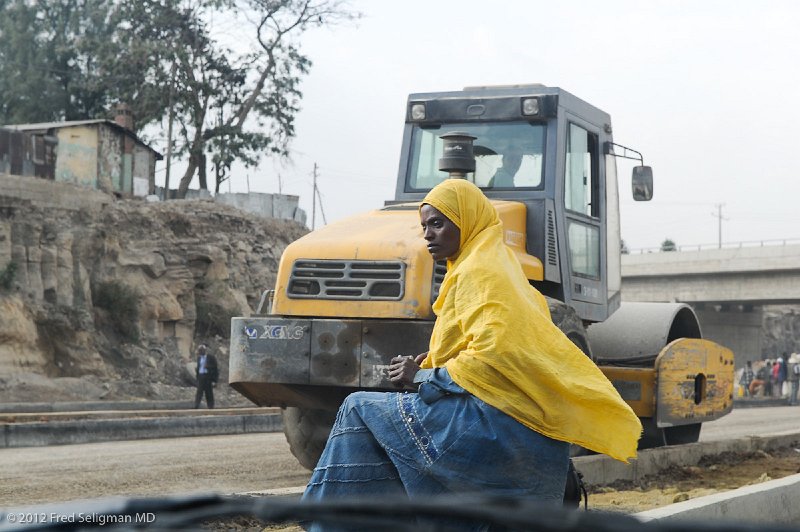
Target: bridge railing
724,245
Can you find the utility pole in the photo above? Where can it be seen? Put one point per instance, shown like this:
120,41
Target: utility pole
324,221
314,200
719,217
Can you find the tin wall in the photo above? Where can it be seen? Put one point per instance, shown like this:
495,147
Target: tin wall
143,167
76,161
111,158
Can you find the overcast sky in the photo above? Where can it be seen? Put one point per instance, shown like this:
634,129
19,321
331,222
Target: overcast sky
706,90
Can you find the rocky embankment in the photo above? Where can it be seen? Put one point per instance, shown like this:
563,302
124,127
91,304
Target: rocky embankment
109,303
780,332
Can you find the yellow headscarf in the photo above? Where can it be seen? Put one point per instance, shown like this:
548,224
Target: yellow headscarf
494,334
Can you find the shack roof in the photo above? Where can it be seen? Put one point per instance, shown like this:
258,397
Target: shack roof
46,127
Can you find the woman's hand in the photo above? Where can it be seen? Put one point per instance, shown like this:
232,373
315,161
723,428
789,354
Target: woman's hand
403,368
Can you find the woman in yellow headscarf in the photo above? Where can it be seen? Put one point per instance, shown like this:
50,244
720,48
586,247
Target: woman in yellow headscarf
502,391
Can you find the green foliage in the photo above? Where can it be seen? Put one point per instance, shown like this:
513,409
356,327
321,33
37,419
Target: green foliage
122,303
668,245
213,319
7,275
69,60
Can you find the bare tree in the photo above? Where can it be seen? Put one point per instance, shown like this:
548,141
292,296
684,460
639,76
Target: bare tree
239,107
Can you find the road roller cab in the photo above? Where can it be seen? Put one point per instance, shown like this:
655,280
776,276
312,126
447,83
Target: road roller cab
357,292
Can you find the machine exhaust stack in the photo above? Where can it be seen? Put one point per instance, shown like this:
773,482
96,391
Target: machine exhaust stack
457,157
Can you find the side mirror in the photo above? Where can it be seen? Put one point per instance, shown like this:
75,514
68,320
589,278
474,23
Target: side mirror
642,183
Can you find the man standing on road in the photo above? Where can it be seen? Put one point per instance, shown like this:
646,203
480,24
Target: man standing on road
747,378
783,374
768,379
794,378
206,373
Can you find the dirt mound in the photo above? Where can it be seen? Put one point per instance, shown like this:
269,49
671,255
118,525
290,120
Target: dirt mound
713,474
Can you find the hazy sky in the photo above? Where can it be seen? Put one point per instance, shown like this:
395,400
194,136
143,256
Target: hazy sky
706,90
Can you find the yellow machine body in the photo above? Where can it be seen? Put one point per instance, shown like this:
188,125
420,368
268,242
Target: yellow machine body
692,382
392,233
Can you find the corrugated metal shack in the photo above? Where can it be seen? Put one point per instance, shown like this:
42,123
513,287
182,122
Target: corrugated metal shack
100,154
27,155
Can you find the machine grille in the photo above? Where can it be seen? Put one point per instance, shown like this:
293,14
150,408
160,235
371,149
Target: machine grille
551,239
347,279
439,269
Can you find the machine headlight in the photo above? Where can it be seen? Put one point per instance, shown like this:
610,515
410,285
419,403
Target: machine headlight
417,111
530,106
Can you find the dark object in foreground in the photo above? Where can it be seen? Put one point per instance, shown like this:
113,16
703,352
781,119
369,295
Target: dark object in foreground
444,513
575,490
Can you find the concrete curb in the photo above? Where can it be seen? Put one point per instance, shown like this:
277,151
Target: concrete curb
768,502
84,406
98,430
600,469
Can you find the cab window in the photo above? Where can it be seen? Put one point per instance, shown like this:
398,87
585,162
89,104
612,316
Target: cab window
508,155
581,187
581,192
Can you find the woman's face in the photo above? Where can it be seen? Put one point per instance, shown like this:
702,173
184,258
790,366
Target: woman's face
442,235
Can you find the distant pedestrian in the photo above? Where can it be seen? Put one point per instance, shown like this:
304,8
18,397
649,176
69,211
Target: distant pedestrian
207,374
776,372
794,378
768,379
759,384
783,374
747,378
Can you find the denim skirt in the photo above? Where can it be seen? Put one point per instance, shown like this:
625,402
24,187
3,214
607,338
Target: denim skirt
439,440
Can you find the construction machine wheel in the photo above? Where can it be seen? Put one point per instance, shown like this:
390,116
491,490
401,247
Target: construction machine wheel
307,431
653,436
682,434
570,324
633,337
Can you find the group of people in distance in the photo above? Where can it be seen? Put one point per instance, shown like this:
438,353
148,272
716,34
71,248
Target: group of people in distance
766,378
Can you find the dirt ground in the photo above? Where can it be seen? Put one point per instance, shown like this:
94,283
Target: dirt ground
713,474
160,376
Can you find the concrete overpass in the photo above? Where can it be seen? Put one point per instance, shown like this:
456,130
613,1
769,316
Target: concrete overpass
727,287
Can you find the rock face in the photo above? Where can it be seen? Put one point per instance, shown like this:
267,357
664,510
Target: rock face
780,332
125,291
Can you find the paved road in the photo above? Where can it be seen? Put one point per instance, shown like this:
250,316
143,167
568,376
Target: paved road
752,422
223,464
